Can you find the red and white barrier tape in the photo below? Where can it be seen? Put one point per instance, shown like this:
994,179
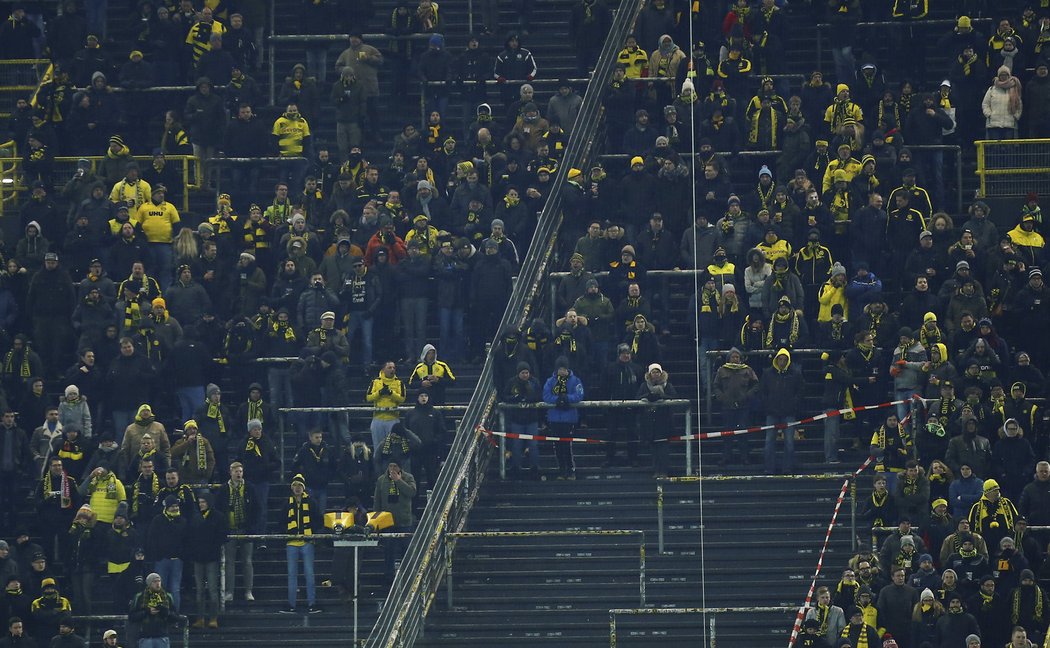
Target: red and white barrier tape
706,435
782,426
823,550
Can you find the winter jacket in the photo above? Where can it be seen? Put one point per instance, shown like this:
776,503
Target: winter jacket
572,394
205,537
75,414
996,108
781,389
908,365
395,497
385,393
734,385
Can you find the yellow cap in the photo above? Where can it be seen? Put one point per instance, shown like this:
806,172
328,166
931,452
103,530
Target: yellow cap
940,501
637,160
574,173
990,485
840,87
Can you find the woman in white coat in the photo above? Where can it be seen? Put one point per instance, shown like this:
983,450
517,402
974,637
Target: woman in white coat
1002,106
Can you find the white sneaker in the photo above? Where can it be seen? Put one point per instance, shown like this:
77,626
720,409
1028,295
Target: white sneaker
249,596
228,596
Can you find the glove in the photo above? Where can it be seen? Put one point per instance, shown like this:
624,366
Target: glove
385,391
501,79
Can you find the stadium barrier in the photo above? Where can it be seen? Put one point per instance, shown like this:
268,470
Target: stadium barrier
894,24
1012,168
452,538
502,435
661,481
711,633
121,620
12,182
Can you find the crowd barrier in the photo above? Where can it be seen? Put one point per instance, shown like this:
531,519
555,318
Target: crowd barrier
895,24
452,538
92,635
1012,168
502,435
661,481
710,628
12,182
338,541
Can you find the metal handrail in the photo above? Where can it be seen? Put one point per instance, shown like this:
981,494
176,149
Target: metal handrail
660,481
929,22
602,404
273,39
11,179
179,620
644,611
416,583
451,538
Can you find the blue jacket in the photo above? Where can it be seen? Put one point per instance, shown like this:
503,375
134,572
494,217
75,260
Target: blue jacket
575,395
964,493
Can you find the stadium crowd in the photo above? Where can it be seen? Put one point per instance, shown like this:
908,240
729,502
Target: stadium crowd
123,315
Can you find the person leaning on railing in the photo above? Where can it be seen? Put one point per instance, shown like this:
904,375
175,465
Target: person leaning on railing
393,494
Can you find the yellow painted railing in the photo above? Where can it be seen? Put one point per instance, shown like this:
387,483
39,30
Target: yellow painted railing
12,183
1013,167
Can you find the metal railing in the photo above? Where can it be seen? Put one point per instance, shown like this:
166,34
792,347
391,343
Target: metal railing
713,611
12,182
951,149
338,541
1011,168
660,481
892,24
275,39
451,538
122,620
416,584
604,405
18,78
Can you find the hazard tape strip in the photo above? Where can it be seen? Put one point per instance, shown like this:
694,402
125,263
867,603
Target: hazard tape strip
704,435
783,426
823,550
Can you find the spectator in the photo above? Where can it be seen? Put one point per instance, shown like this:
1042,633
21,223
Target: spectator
779,389
153,609
394,491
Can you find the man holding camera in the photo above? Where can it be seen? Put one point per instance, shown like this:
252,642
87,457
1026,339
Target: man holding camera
394,492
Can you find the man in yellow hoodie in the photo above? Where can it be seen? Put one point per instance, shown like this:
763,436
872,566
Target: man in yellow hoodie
385,393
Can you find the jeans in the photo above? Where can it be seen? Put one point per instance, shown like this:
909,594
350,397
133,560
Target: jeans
845,64
770,456
380,429
451,337
358,321
121,420
563,450
163,257
189,399
247,549
831,438
320,495
903,409
154,642
414,324
1001,133
293,553
317,62
83,582
245,178
96,17
170,570
517,446
735,419
393,550
206,579
347,136
261,495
